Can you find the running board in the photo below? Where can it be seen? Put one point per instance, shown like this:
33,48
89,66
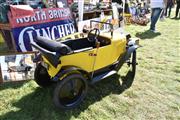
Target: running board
103,76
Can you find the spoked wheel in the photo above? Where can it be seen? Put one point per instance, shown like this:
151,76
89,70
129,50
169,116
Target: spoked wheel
70,92
41,76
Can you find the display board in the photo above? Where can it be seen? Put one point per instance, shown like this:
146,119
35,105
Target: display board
17,67
49,22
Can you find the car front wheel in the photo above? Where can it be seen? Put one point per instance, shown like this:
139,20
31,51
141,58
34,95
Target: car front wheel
70,91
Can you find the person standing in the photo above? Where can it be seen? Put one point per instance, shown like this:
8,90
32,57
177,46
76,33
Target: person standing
162,16
177,8
170,4
156,9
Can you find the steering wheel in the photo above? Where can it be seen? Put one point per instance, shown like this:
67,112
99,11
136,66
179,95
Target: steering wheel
93,34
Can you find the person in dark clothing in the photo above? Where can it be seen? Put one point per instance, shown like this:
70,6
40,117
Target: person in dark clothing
177,8
170,4
118,1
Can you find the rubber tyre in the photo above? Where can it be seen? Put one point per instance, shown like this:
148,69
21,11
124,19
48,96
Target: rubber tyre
41,76
133,65
60,85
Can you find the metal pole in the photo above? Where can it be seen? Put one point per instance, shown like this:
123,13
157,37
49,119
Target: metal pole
1,78
123,14
95,55
80,9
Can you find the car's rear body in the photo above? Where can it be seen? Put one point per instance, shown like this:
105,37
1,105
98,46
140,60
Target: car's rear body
106,56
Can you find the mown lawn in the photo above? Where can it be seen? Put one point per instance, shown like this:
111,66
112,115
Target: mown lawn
153,95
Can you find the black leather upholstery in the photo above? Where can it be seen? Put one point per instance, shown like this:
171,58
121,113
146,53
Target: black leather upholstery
69,46
79,43
53,46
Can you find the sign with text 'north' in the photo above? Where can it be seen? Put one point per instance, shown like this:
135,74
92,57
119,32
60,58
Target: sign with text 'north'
49,22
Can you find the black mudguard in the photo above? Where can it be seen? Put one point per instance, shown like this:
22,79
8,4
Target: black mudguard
69,69
129,50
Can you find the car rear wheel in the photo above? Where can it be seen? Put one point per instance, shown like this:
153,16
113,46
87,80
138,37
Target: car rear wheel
41,76
70,91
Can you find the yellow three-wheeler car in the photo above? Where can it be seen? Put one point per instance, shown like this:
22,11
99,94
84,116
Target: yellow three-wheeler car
73,64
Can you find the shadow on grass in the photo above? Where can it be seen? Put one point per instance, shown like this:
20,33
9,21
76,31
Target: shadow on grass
127,80
177,80
38,105
15,85
147,34
175,18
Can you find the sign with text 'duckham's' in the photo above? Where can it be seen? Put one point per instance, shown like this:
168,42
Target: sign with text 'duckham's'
49,22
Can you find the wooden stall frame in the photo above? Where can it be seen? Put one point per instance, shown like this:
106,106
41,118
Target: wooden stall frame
1,78
8,28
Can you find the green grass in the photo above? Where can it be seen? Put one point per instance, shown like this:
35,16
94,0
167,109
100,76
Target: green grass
153,95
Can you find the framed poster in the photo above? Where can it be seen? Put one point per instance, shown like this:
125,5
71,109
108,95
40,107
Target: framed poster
17,67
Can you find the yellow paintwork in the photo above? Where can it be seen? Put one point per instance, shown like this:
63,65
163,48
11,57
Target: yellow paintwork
106,55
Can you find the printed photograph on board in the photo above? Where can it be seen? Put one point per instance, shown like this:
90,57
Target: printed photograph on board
17,67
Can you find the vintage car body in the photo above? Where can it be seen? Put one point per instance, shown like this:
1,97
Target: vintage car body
84,59
80,59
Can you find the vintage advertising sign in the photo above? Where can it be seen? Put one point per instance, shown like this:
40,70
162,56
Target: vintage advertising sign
50,22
